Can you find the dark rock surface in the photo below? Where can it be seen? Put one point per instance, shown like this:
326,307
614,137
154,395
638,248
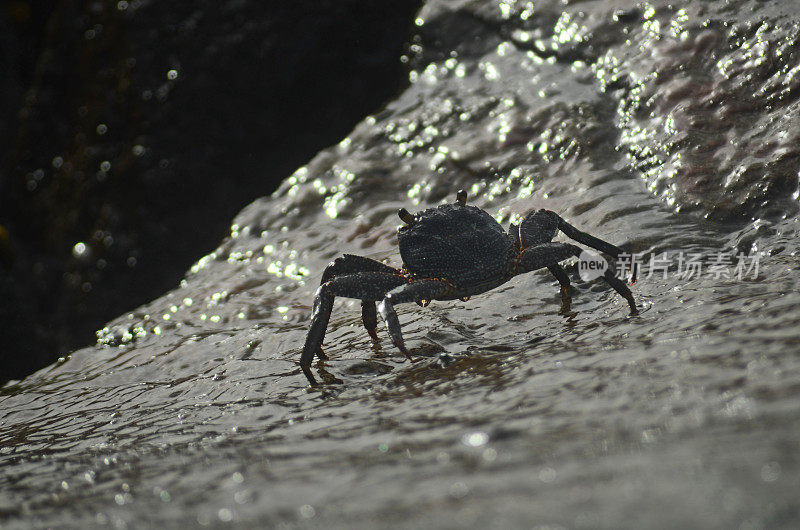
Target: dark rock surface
148,125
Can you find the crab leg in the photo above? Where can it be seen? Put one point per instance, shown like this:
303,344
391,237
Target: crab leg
370,318
561,275
622,289
545,255
352,264
320,314
587,239
540,227
591,241
548,254
410,292
366,286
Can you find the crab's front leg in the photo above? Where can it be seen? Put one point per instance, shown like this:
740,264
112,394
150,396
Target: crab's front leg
537,228
352,264
563,280
411,292
369,316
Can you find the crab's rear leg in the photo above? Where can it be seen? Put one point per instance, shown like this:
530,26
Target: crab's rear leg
411,292
548,254
323,303
351,264
366,286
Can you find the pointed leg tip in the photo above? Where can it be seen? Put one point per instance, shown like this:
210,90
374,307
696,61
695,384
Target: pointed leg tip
307,372
402,347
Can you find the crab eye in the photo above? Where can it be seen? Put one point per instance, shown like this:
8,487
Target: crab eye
405,216
461,197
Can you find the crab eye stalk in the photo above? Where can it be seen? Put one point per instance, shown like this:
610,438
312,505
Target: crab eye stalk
461,197
405,216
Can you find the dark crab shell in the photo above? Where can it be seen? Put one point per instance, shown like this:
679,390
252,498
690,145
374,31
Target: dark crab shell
461,244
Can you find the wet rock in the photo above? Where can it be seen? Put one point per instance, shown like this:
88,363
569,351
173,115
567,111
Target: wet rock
526,106
703,105
708,110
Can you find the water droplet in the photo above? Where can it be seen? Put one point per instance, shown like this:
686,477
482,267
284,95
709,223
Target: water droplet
475,439
459,490
225,515
242,497
770,472
547,475
79,250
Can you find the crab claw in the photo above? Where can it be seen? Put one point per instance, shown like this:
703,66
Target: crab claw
405,216
461,197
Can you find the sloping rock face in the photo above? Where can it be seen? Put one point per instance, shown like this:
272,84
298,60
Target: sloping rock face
668,130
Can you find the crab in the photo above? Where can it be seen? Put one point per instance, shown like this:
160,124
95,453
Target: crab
450,252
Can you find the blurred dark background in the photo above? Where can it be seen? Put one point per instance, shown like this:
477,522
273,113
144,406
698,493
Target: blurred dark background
132,132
